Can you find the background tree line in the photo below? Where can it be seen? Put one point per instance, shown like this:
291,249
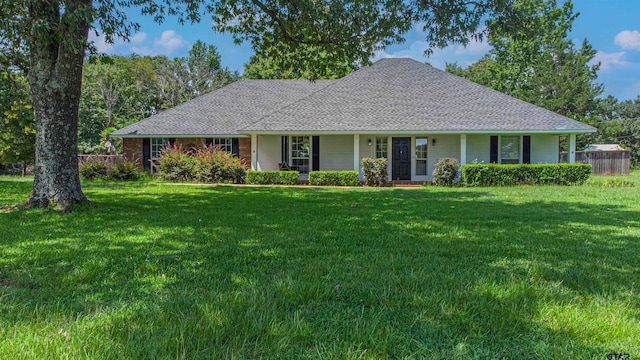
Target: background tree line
538,64
118,91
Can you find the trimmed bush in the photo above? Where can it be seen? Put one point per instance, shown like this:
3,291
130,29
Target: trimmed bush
272,177
525,174
334,178
446,172
375,171
94,169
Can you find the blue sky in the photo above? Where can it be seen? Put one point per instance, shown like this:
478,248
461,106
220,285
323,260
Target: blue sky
611,26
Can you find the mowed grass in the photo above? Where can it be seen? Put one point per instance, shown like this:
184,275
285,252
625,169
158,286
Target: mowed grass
162,271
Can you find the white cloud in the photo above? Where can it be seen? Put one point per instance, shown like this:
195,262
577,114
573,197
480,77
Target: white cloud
138,38
168,42
609,61
99,42
628,40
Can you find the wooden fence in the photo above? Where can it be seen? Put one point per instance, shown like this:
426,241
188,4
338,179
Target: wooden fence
109,159
606,162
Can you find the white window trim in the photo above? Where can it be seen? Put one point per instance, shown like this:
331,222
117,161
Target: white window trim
225,144
500,147
308,158
386,144
416,158
155,147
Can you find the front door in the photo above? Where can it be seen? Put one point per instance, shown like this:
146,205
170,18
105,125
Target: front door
401,158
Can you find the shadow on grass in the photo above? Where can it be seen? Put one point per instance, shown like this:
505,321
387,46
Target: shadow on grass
249,272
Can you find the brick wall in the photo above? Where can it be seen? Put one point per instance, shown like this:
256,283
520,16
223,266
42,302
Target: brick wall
188,142
132,150
244,149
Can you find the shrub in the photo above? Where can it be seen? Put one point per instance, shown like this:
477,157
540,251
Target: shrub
533,174
446,172
374,171
123,170
611,183
174,164
101,169
213,165
334,178
272,177
94,169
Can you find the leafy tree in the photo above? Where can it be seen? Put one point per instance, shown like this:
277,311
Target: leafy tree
55,32
539,63
118,91
17,130
281,61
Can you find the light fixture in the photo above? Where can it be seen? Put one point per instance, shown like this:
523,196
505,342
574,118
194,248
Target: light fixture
370,142
433,142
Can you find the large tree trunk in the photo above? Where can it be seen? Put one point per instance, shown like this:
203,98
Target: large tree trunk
55,77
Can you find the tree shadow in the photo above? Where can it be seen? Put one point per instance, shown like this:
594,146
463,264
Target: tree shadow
250,272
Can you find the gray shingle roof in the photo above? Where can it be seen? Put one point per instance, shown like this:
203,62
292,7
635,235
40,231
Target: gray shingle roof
223,111
392,95
406,95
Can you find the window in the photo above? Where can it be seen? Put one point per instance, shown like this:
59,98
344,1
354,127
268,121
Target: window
157,144
223,143
300,151
381,148
510,149
421,156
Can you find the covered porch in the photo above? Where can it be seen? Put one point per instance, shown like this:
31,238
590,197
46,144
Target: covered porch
411,156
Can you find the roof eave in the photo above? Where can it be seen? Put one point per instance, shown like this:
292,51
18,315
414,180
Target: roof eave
411,132
177,136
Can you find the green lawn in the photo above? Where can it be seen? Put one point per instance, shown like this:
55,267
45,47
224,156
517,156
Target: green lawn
157,271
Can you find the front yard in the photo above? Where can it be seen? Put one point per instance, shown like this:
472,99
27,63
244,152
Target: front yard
159,271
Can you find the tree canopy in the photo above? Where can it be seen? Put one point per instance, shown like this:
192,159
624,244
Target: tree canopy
539,63
55,36
118,91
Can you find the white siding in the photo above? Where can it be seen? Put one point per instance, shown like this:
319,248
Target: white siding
269,152
544,149
447,146
336,152
478,148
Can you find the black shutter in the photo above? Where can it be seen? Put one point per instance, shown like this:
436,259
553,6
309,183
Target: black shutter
208,141
493,152
526,149
172,142
285,150
315,150
146,153
235,147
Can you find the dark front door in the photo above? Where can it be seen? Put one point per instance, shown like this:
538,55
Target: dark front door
401,158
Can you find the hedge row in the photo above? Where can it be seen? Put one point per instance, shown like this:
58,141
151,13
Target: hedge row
272,177
525,174
334,178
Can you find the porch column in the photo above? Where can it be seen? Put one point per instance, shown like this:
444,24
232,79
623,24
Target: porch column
572,148
356,153
463,149
254,152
